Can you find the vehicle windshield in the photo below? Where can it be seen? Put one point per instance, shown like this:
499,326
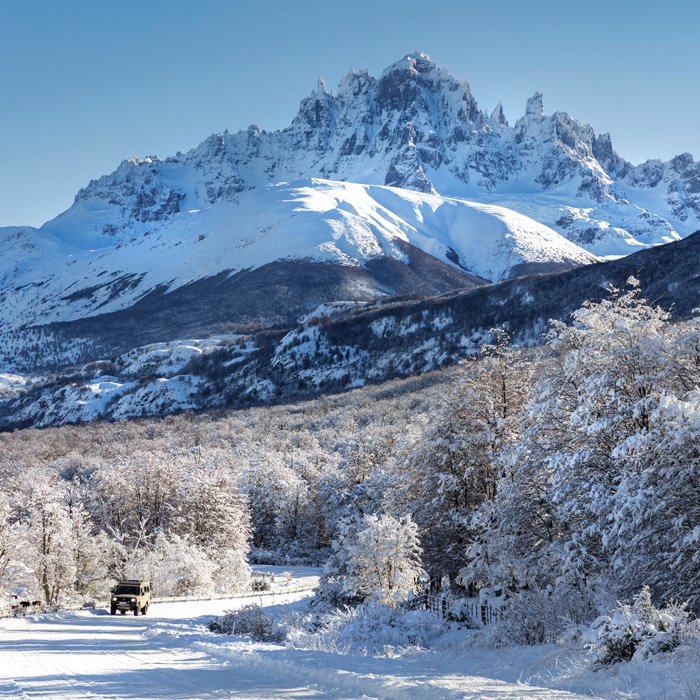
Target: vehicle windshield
128,590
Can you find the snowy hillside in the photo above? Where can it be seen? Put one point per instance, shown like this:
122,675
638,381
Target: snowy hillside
66,271
336,347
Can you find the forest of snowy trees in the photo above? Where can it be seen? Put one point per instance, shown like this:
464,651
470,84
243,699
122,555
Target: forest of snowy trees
571,467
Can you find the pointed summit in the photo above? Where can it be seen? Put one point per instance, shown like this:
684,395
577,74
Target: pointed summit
416,62
534,107
498,116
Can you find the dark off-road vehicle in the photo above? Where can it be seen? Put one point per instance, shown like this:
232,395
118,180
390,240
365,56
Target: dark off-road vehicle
131,595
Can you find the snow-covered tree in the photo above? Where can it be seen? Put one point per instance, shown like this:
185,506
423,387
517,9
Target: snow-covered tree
10,546
267,483
94,555
601,380
49,549
377,558
655,532
175,566
454,467
214,516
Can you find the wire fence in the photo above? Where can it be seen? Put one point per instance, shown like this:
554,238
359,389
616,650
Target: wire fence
473,610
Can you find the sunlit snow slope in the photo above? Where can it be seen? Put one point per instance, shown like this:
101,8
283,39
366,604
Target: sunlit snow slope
60,273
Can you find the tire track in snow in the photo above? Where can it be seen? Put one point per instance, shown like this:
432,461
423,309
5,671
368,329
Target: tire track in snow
337,676
85,656
11,689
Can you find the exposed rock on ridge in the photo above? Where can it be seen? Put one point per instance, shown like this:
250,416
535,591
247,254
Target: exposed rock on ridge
419,127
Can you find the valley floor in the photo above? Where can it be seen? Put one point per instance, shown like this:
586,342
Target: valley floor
170,655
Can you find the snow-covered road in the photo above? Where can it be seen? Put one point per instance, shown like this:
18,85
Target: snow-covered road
169,655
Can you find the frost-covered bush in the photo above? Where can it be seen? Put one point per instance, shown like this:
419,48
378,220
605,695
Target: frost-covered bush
367,629
540,616
260,584
250,621
638,630
375,558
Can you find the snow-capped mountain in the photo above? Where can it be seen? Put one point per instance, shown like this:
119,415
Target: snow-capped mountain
420,128
70,270
390,185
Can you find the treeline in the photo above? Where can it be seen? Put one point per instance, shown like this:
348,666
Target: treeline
574,465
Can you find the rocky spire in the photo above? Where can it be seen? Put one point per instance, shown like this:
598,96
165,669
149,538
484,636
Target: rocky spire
534,107
498,116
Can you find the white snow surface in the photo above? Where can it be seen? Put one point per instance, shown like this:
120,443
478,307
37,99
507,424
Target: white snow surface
171,655
169,359
59,273
11,384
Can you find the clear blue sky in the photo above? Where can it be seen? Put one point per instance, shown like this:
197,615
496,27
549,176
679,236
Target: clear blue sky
87,83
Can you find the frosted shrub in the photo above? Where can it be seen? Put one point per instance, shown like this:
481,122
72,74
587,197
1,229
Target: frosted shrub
371,627
250,621
541,616
377,625
637,630
261,584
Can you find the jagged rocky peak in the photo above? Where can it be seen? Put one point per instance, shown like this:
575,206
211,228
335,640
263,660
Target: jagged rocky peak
416,62
416,126
683,163
354,84
534,106
136,191
498,116
611,162
415,82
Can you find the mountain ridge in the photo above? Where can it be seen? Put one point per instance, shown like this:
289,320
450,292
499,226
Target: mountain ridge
341,346
394,185
419,127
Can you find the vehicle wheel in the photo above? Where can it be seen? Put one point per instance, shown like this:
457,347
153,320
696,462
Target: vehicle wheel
123,612
113,611
136,611
144,609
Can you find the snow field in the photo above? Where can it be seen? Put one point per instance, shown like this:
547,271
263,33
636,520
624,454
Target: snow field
308,219
169,654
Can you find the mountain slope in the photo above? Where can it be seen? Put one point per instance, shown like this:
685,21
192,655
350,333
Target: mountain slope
343,345
355,234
